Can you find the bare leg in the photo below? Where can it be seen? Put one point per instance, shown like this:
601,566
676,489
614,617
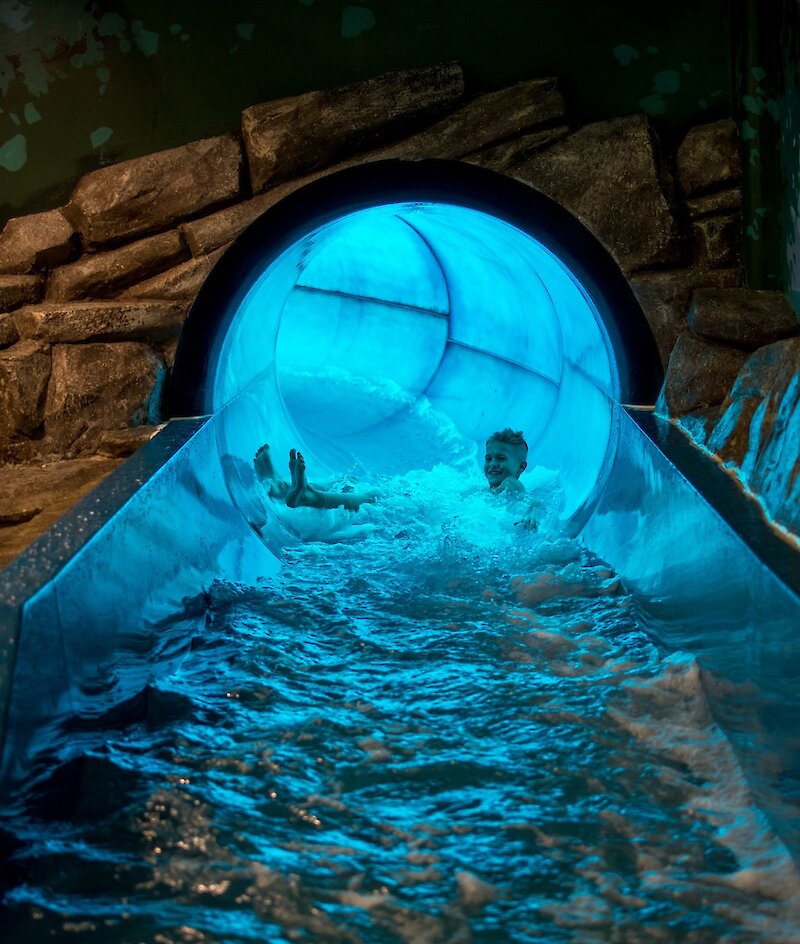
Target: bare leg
302,493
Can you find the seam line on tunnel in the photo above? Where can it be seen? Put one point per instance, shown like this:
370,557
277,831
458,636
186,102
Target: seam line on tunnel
369,298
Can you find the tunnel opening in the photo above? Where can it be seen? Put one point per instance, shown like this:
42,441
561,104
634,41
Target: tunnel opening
371,300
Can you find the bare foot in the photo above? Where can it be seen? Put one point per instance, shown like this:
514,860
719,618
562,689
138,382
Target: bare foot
299,491
265,473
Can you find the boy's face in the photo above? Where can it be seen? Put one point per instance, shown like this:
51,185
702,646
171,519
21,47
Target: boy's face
502,460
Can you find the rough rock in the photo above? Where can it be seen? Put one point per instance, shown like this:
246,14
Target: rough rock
184,281
496,116
726,201
16,290
708,157
152,320
699,375
104,274
210,232
759,431
774,473
292,136
8,330
24,373
730,439
717,241
53,487
665,297
37,241
151,193
502,157
610,176
168,352
699,423
120,443
105,386
745,317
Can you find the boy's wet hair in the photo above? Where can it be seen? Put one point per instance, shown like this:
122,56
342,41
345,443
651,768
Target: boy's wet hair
511,436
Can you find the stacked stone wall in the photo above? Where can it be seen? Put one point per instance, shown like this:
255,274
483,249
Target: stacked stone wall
93,294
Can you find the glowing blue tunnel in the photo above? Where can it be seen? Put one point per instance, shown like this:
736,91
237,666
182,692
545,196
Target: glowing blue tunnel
332,335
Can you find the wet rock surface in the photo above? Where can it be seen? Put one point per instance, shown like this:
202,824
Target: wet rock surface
24,375
609,175
103,386
708,157
36,242
151,193
759,430
745,317
730,439
699,375
292,136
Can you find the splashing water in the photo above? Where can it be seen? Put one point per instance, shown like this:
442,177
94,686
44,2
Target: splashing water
432,726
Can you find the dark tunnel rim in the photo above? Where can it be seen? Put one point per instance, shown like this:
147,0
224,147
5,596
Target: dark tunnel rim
396,181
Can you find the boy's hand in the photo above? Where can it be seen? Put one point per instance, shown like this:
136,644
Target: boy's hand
529,523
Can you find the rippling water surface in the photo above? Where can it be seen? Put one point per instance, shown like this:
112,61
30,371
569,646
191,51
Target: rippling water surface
439,729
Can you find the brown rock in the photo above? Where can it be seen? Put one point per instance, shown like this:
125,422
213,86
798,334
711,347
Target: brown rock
610,176
717,241
54,487
708,157
151,193
101,385
16,290
184,281
665,297
774,471
18,515
120,443
8,330
210,232
24,373
699,375
699,423
502,157
151,320
485,120
292,136
38,241
745,317
730,438
168,352
104,274
712,204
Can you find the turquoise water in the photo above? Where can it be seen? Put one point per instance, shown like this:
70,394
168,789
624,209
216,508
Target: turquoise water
431,726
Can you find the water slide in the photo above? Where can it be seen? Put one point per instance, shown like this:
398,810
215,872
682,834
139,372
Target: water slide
336,324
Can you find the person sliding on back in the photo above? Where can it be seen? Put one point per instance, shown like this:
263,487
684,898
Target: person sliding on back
300,493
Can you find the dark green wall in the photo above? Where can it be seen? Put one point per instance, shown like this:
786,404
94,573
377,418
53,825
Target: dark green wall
87,83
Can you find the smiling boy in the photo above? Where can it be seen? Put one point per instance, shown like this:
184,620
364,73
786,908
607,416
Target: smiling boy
505,460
